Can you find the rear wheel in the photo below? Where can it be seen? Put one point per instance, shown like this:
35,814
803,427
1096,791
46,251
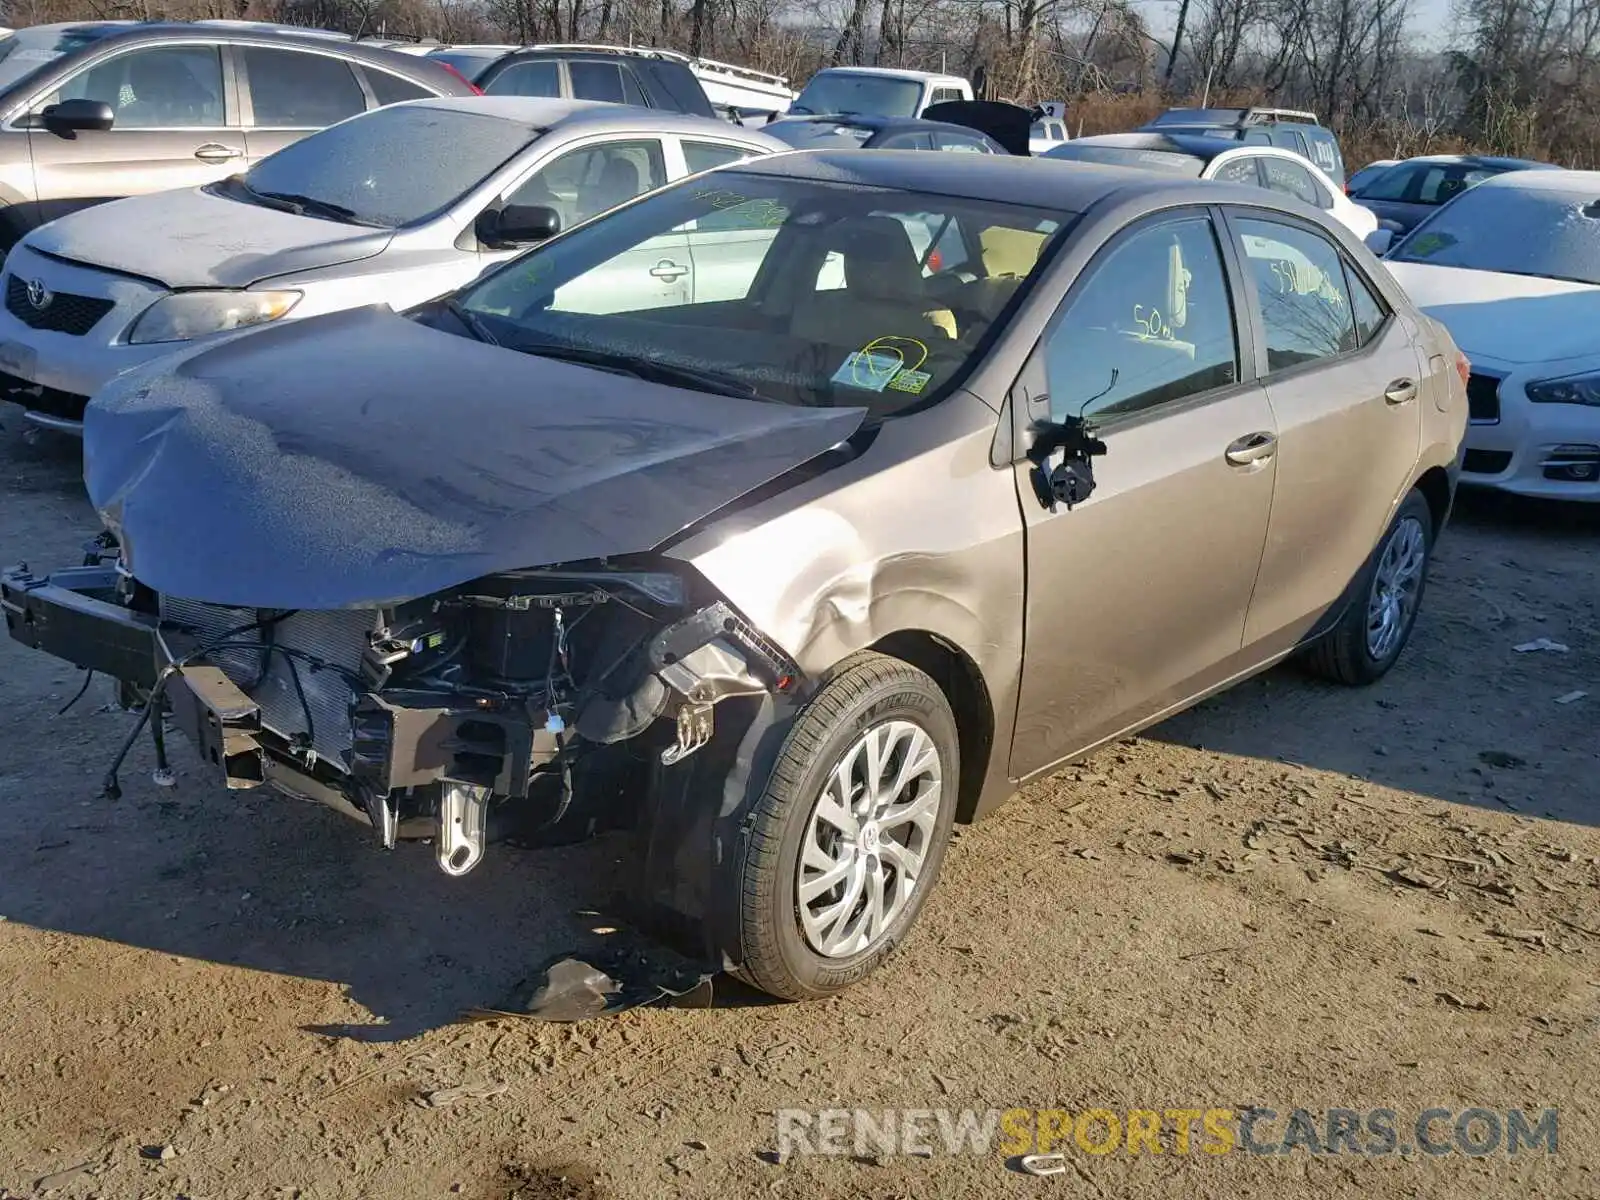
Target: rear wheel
849,836
1368,639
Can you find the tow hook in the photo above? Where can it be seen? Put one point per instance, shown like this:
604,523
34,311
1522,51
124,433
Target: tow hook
463,809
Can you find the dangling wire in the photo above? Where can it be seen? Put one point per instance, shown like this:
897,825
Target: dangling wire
88,677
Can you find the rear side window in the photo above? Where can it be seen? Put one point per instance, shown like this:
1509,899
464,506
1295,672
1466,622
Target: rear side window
291,89
672,85
1152,324
1241,170
1368,310
1324,151
527,79
391,89
1300,283
703,156
940,95
1292,179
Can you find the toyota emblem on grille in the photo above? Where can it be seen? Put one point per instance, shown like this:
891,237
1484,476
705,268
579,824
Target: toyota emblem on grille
38,295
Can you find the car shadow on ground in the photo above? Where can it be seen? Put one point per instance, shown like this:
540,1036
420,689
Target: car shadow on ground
1462,716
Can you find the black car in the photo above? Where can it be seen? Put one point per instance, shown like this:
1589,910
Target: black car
1287,128
1409,191
616,74
853,132
100,110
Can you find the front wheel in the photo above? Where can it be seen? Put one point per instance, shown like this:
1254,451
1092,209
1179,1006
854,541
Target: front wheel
850,833
1368,639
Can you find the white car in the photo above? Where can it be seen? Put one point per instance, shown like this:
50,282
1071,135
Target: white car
1199,156
395,206
1512,269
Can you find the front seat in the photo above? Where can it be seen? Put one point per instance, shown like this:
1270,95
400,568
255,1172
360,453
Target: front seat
619,181
883,293
162,95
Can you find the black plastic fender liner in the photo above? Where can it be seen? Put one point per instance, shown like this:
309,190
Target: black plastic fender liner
690,838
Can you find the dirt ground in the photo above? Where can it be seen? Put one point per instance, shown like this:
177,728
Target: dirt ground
1294,896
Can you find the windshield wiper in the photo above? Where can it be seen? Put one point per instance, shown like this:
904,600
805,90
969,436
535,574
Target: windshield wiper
472,321
310,206
646,368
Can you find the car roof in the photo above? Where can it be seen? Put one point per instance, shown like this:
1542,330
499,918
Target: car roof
1558,180
889,73
1483,160
1042,182
1193,144
250,31
873,121
594,116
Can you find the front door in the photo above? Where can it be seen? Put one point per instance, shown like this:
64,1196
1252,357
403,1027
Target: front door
173,127
589,180
1346,384
1137,596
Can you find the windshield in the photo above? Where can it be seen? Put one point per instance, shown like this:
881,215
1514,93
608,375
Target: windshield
1129,156
27,50
782,289
817,135
848,92
390,167
1557,234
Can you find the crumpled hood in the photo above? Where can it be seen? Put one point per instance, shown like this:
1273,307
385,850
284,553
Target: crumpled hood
1512,318
362,458
191,239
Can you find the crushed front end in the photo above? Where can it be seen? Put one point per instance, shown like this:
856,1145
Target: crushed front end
527,701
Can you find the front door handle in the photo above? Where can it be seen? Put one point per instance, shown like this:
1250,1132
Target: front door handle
668,271
217,152
1252,448
1401,391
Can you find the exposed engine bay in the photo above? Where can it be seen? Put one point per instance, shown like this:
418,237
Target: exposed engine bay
532,701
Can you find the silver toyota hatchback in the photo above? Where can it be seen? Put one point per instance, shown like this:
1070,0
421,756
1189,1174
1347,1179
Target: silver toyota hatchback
394,207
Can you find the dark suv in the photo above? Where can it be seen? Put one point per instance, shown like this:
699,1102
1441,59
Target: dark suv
105,109
619,75
1288,128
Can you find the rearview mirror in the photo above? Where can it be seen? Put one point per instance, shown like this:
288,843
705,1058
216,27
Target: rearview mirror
71,116
518,225
1379,241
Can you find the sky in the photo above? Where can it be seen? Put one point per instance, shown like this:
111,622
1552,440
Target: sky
1430,20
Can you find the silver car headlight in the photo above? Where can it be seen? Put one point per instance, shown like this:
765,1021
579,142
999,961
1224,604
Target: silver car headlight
1567,389
185,315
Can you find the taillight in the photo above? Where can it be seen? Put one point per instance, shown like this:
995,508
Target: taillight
476,90
1463,367
935,262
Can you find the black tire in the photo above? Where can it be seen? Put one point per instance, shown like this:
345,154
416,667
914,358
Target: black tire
866,690
1343,654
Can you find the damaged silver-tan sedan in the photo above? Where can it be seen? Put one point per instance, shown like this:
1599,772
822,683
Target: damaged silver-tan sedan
890,482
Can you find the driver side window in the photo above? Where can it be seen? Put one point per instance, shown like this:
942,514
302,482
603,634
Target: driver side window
583,183
159,87
1151,324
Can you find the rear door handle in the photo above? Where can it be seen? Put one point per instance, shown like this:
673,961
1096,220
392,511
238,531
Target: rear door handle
1401,391
668,270
216,152
1252,448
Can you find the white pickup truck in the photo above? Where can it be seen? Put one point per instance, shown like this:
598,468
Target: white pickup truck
878,91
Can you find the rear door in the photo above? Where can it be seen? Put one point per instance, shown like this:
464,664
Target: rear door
1344,380
176,125
293,92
